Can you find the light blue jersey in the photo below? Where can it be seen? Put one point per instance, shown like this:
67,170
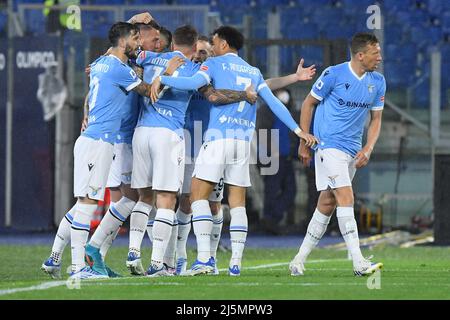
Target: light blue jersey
111,81
345,102
236,120
130,116
169,111
196,122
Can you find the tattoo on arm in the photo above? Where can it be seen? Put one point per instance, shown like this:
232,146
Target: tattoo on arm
143,88
222,96
139,71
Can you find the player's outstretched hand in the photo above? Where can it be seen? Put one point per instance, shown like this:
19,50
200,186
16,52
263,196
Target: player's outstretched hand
144,17
84,124
304,154
252,96
155,89
174,64
362,158
304,74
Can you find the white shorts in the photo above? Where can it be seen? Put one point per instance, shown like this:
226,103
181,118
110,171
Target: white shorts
334,169
92,162
217,193
227,158
121,166
158,159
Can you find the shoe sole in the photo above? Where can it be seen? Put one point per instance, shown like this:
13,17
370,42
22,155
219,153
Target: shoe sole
135,270
53,273
370,271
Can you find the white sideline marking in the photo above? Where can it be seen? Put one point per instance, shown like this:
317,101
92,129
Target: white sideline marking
53,284
42,286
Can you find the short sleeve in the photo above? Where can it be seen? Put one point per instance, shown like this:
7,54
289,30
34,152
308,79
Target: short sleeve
126,78
261,83
144,57
323,86
207,70
378,103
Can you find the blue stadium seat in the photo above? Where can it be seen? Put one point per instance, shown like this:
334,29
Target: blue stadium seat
311,54
3,22
406,53
396,5
97,23
446,22
398,75
301,31
327,17
146,2
438,6
108,2
35,21
339,32
192,2
422,95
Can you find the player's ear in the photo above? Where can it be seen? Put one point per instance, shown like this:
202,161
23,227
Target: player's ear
194,47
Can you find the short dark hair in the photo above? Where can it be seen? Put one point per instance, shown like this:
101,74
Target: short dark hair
361,40
185,36
120,30
166,34
204,38
232,36
151,25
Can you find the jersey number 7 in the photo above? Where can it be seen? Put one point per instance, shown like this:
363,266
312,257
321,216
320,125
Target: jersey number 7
247,82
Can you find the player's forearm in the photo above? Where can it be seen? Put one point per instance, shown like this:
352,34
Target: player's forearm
306,114
184,83
86,106
281,82
373,133
223,96
280,111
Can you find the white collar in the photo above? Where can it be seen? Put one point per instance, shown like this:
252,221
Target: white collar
356,76
111,55
177,51
230,53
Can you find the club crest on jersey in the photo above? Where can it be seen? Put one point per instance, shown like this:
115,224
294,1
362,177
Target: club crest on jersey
370,87
94,190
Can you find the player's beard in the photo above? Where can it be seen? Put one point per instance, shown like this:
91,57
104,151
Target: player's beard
130,52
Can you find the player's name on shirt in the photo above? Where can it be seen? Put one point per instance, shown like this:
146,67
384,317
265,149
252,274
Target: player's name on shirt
239,68
100,67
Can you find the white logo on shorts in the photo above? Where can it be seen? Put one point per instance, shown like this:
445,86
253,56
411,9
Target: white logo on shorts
333,179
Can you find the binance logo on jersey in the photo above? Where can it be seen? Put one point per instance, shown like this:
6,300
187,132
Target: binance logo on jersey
353,104
164,112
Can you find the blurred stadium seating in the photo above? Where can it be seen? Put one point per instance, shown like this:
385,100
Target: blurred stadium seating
412,28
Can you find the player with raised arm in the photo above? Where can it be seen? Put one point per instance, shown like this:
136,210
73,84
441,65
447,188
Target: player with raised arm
149,40
343,96
158,146
197,119
226,150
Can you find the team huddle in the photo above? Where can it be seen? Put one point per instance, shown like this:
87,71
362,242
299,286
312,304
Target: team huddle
171,117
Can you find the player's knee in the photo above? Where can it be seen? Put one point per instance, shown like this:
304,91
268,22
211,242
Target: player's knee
345,199
215,207
185,204
166,200
146,196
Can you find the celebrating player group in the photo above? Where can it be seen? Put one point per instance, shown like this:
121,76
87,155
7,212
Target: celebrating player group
171,117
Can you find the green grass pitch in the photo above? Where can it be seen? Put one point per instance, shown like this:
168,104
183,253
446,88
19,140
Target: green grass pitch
413,273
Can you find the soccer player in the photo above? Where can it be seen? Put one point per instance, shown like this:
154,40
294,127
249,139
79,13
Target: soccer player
122,160
226,150
121,169
158,149
93,150
197,119
343,96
